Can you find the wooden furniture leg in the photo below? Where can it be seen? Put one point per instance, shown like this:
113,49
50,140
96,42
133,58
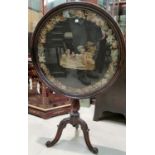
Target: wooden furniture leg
75,120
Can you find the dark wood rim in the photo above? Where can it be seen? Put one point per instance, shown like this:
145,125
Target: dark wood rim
110,21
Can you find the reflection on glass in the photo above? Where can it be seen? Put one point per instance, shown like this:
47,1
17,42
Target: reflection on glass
78,51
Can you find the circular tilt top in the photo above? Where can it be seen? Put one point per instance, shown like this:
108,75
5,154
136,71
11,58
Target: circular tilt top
78,49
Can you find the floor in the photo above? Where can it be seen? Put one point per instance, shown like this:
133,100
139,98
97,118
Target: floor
107,135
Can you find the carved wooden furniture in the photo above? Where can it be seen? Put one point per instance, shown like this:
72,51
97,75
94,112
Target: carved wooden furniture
74,120
95,40
43,102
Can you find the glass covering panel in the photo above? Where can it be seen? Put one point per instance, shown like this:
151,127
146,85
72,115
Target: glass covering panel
77,50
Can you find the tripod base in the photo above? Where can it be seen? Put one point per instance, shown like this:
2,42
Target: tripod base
75,120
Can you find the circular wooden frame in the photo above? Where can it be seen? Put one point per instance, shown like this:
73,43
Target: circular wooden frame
80,5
